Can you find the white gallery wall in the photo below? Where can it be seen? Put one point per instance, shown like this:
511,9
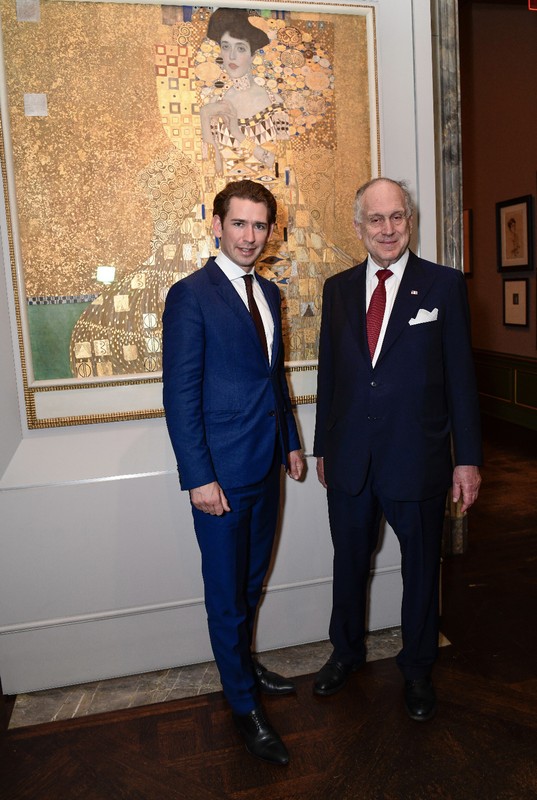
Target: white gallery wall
99,568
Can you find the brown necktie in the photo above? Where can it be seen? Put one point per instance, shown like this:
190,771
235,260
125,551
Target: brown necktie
375,312
254,311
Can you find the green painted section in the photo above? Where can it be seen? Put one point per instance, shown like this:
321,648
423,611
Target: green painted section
495,380
526,388
526,418
50,334
507,387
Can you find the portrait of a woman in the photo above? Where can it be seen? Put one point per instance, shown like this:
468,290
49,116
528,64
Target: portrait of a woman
241,95
245,105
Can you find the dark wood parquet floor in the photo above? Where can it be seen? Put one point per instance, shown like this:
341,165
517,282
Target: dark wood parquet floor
359,744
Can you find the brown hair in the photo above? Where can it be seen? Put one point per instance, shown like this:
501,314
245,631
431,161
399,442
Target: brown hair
235,22
245,190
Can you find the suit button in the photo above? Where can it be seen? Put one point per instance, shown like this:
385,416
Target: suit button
373,384
272,413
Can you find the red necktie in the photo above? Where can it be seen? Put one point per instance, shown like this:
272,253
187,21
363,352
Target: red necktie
254,311
375,312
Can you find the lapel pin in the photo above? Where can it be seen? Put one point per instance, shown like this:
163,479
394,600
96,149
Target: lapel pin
414,291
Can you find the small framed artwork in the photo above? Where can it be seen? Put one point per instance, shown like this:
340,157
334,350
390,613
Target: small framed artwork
514,233
515,302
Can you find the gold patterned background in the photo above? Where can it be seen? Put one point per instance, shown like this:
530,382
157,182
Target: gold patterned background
105,178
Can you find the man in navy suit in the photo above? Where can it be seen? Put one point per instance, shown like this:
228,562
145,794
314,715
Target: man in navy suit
231,425
393,402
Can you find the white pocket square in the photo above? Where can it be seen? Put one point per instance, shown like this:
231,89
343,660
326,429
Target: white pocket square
424,316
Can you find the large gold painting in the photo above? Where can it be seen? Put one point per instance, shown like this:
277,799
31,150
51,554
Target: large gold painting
121,123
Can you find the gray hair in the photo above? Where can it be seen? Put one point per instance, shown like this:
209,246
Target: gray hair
359,199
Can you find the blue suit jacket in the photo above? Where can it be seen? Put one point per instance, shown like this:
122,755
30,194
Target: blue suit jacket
402,414
224,404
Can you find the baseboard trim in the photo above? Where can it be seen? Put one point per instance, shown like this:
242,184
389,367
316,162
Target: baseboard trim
59,652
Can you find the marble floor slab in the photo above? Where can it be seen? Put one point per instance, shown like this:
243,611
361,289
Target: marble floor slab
173,684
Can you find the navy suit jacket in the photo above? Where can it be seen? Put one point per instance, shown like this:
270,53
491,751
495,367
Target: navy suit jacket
224,403
402,415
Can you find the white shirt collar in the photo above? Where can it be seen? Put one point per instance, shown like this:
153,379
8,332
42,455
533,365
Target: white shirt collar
397,268
230,269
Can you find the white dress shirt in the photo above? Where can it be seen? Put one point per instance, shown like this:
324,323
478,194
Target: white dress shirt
236,274
392,287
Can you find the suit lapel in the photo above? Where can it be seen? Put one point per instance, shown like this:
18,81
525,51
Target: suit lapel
414,286
353,299
273,300
230,295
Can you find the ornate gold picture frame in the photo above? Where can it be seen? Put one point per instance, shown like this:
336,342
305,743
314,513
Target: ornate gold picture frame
113,145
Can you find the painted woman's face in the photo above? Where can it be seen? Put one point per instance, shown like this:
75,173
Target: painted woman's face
236,54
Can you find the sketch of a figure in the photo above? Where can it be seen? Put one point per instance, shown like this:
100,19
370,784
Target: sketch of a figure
513,243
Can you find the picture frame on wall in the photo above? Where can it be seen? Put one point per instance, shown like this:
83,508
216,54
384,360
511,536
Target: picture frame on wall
514,234
515,302
110,172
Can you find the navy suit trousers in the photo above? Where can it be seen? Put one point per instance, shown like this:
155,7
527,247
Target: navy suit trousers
236,550
354,523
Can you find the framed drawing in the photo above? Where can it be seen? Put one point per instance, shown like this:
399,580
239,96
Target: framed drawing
514,234
515,302
113,147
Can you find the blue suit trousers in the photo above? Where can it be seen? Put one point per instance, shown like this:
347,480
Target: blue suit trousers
236,549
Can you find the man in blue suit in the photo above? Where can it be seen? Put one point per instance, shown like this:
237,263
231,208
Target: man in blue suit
231,425
396,396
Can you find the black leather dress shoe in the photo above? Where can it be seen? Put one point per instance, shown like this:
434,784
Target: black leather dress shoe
333,677
420,699
260,737
271,682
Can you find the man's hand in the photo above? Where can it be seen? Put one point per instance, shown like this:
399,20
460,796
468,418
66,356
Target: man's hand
466,483
295,464
320,472
210,499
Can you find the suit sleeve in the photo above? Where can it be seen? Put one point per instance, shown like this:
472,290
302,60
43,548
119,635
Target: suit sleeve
292,438
461,388
325,381
182,376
